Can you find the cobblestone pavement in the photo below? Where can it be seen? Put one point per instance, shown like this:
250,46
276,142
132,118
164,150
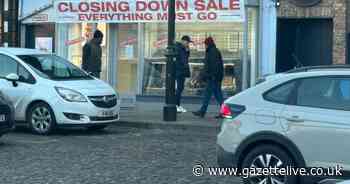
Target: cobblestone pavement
116,155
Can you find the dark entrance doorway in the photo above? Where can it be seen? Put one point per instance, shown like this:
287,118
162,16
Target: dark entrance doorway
39,30
303,42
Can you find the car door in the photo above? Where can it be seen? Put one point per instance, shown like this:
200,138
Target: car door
18,94
318,121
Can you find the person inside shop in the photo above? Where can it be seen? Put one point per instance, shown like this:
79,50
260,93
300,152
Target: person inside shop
92,55
212,74
182,69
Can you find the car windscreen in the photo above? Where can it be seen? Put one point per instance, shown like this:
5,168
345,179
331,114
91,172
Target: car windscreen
54,67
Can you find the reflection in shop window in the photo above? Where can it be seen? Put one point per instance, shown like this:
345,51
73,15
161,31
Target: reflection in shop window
128,58
228,37
78,35
128,48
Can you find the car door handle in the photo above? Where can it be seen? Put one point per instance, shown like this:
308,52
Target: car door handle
294,119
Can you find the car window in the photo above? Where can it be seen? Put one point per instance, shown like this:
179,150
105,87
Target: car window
7,65
325,92
281,94
54,67
25,76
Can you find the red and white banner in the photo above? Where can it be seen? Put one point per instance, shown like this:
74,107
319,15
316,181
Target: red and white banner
122,11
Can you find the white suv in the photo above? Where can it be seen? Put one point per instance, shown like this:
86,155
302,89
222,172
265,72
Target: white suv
48,91
300,119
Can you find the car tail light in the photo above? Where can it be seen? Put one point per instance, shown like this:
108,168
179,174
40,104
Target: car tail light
231,111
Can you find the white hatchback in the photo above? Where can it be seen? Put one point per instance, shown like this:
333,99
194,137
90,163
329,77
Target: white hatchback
295,119
48,91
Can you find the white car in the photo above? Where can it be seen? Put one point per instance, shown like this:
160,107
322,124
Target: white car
298,119
344,182
48,91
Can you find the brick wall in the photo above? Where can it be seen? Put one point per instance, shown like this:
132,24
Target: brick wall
334,9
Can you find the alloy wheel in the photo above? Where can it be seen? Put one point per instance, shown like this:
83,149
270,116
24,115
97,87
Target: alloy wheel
267,161
41,119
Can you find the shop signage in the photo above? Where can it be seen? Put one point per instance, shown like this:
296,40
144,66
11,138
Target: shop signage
305,3
127,11
43,43
40,18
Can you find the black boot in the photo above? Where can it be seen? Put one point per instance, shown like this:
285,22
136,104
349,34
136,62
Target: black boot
199,114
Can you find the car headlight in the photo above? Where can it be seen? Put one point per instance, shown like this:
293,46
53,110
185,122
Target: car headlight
70,95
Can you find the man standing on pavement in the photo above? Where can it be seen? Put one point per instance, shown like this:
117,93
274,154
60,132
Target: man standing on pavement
92,54
182,69
213,75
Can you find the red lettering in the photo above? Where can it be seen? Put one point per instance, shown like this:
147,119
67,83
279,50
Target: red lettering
95,16
111,6
162,16
103,17
84,7
63,7
154,6
81,17
202,16
72,9
212,16
141,6
124,6
148,16
95,7
234,5
212,5
165,5
111,16
182,5
199,5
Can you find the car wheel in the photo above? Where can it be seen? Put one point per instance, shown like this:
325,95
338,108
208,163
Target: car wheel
97,127
41,119
268,156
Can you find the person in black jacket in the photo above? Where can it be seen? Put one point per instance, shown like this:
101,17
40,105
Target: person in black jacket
182,69
92,55
213,74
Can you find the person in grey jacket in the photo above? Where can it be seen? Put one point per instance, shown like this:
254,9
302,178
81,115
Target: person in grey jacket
182,69
92,55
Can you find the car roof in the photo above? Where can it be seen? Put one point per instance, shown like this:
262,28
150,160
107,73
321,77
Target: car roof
21,51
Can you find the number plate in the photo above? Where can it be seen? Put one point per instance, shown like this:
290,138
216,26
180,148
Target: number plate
107,113
2,118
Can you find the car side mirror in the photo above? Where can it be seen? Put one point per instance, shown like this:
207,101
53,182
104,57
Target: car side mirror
14,78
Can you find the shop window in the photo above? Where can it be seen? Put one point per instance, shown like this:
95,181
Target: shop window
127,58
78,35
228,38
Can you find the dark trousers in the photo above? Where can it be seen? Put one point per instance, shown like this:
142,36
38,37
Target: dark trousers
213,87
180,86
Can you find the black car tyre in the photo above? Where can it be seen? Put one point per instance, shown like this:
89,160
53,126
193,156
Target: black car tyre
41,119
266,156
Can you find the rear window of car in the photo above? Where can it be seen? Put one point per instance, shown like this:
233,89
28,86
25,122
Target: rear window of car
282,93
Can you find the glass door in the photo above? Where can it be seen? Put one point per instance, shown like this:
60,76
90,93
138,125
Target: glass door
127,62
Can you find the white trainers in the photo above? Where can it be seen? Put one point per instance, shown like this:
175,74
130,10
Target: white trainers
178,109
181,109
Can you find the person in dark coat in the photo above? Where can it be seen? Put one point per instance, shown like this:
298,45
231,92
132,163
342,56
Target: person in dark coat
92,55
182,69
213,74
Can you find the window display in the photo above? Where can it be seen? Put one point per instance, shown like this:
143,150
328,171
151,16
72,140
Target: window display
128,58
228,37
78,35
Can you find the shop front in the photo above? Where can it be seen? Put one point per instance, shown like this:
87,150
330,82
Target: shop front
136,39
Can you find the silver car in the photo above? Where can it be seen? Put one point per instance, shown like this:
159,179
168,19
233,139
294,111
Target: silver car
298,119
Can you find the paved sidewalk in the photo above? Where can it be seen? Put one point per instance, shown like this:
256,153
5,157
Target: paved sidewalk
150,115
